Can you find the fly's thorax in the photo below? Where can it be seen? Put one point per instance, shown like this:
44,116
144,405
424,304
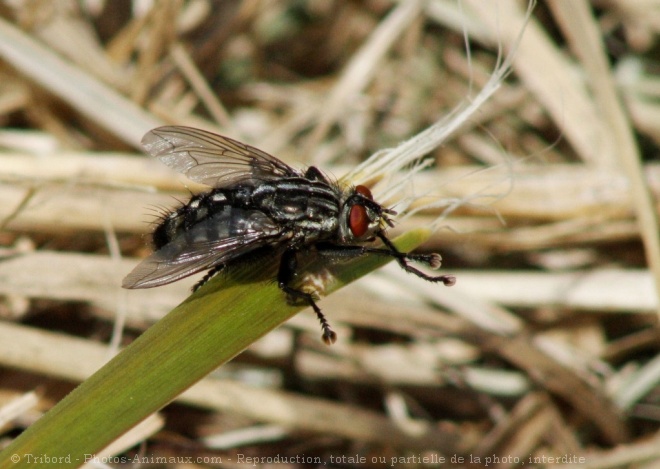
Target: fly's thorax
307,207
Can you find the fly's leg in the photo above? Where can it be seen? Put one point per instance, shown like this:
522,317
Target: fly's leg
315,174
207,277
432,260
285,276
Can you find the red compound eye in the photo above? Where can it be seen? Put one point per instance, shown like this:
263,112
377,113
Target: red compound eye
358,221
364,190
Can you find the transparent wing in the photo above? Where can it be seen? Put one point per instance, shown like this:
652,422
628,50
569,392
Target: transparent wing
203,247
212,159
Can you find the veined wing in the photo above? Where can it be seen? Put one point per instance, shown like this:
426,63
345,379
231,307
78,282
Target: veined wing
208,244
212,159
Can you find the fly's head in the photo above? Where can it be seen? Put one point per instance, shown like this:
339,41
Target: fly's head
362,217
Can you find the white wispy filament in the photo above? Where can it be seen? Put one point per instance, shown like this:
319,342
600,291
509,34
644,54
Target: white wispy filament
393,169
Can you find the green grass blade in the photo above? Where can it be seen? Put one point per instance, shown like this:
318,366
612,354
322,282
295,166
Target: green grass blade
208,329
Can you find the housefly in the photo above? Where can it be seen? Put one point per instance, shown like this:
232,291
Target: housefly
259,203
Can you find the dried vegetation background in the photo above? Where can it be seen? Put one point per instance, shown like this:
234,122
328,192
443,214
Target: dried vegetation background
546,347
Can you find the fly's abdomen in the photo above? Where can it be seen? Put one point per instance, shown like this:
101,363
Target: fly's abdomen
177,223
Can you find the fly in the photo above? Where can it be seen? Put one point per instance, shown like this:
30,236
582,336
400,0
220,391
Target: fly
258,202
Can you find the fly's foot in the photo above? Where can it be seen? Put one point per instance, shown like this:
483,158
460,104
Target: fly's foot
433,260
447,280
329,336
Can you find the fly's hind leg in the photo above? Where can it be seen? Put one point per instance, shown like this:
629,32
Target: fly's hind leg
285,276
207,277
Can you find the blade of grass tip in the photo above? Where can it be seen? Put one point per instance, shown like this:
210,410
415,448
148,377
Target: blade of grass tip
209,328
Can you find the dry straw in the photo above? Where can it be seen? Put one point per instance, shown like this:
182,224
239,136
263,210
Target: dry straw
547,345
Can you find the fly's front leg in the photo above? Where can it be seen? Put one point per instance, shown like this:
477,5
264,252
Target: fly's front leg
285,276
432,260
